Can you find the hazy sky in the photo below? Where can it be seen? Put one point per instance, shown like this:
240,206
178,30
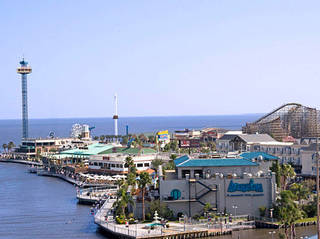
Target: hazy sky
165,57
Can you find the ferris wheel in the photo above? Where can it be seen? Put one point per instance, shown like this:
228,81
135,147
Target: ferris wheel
76,130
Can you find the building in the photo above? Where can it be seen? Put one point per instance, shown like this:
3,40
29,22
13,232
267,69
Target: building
241,142
224,183
211,134
187,138
80,154
30,148
112,161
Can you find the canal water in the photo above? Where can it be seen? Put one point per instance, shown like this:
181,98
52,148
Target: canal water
42,207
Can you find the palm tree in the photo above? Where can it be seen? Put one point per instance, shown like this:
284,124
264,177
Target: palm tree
289,212
132,171
4,146
95,138
156,163
10,146
287,172
123,198
102,137
143,182
300,191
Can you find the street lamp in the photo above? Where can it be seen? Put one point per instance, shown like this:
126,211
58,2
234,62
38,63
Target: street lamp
272,233
235,209
271,214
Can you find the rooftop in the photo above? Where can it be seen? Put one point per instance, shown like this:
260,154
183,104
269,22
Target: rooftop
91,149
126,150
216,162
255,155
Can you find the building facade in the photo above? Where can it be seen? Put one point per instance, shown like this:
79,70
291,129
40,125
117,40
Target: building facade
236,186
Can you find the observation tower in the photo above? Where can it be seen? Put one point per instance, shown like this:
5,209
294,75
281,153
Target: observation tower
24,70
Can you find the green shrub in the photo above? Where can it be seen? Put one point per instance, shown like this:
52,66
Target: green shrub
148,216
262,211
196,217
120,220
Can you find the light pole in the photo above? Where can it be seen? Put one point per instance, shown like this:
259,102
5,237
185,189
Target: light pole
272,233
235,209
271,214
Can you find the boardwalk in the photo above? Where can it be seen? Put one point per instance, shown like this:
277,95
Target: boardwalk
105,220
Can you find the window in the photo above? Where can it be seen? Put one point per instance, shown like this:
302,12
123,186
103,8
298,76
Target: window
113,165
139,165
184,172
146,164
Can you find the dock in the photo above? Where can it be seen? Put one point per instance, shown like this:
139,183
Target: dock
20,161
67,179
96,194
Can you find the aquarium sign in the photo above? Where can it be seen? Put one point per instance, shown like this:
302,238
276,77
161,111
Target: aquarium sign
245,187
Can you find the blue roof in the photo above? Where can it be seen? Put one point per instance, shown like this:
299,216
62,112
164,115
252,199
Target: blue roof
254,155
217,162
180,159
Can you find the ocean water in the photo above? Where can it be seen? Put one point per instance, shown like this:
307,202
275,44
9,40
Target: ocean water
10,130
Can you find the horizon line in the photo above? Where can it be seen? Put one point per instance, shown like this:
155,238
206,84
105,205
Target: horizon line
146,116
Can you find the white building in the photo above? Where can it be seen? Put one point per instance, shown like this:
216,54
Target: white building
112,161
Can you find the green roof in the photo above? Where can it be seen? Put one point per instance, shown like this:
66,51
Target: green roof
124,150
255,155
93,149
217,162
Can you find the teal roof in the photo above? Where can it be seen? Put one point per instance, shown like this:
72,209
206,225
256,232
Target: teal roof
255,155
91,150
217,162
181,159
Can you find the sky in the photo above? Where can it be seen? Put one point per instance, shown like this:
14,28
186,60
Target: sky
162,58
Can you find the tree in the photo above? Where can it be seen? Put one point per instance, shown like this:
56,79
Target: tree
132,171
288,212
124,140
207,207
276,168
95,138
173,156
151,138
10,146
174,145
102,138
143,182
212,146
156,163
310,184
169,165
161,208
123,199
287,173
4,146
300,192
